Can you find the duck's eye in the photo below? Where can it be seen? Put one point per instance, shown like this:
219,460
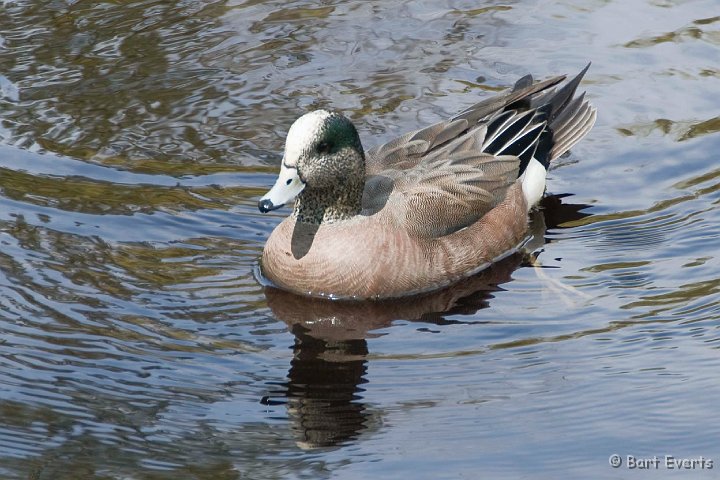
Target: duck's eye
323,147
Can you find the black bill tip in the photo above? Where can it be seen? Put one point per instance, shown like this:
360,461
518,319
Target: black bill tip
267,205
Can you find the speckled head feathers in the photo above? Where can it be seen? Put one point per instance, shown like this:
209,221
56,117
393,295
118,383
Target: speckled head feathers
325,148
323,166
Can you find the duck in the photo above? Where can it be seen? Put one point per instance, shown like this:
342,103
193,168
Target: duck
425,210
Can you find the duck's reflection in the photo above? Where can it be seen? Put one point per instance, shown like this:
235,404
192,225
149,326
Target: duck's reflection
324,389
330,354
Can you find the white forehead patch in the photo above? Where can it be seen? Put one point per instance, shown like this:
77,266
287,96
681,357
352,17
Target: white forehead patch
302,133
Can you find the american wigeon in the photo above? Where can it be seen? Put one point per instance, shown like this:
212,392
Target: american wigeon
424,210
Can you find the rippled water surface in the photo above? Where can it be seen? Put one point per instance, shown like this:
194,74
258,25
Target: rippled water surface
136,342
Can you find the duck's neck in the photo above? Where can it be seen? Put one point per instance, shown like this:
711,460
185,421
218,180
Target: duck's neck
333,204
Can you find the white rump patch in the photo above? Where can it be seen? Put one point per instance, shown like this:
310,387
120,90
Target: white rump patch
533,182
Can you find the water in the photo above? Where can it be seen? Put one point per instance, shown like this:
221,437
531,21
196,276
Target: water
136,342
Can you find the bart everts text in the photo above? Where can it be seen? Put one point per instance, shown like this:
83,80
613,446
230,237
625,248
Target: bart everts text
658,462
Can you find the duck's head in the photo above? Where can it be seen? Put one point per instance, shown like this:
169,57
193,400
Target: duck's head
322,152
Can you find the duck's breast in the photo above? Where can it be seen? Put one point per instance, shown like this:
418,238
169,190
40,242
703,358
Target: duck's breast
374,257
360,258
